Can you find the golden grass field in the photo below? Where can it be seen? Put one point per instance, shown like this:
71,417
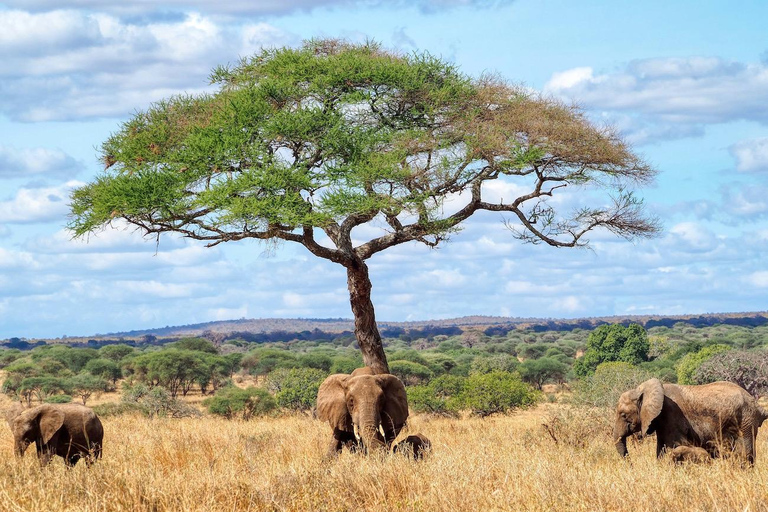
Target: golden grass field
497,463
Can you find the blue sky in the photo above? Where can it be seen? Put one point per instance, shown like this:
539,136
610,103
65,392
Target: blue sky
685,82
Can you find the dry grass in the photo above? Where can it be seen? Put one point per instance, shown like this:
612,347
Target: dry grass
499,463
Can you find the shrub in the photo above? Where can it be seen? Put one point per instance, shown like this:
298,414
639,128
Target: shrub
247,403
58,399
345,365
748,369
496,392
613,342
441,396
117,409
691,362
156,401
605,386
409,372
295,388
499,362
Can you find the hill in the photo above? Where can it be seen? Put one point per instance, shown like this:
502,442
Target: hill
283,329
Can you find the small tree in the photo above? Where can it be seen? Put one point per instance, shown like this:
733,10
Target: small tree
296,388
83,385
605,386
116,352
690,363
496,392
441,396
613,343
747,368
540,371
409,372
249,402
302,143
104,368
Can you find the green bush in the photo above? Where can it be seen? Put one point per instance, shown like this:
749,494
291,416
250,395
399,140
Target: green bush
605,386
58,399
496,392
156,401
245,403
118,409
441,396
690,363
409,372
296,388
498,362
613,342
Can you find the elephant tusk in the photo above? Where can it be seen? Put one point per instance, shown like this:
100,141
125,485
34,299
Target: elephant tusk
381,429
357,434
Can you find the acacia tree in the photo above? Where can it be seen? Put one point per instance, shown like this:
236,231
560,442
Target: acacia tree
303,145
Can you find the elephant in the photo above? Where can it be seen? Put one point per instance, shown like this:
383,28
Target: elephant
365,411
71,431
415,445
690,454
718,417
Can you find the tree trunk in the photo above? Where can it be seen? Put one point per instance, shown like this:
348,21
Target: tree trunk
366,331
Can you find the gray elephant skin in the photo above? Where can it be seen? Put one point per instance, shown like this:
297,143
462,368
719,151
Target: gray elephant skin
365,411
720,417
71,431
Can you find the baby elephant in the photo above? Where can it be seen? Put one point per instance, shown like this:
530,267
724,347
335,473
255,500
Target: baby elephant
71,431
682,454
415,445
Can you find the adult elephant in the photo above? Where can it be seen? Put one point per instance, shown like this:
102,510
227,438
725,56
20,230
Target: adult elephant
71,431
718,416
364,410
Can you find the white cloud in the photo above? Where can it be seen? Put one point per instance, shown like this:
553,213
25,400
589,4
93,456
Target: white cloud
239,7
157,289
751,155
28,162
97,65
671,92
759,279
38,204
294,300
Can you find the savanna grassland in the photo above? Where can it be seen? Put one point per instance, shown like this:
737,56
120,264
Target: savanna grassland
498,463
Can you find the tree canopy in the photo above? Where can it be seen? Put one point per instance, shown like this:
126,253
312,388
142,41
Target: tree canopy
303,145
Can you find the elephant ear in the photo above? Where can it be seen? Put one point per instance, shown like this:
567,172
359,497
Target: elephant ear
332,402
51,421
396,406
652,400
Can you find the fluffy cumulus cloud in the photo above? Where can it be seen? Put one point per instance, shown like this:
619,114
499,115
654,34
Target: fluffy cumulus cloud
670,92
751,155
65,65
43,204
29,162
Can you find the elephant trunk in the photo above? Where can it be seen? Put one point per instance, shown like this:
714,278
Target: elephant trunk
621,446
620,434
19,448
369,432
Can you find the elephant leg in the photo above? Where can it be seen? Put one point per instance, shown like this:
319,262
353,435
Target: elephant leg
747,444
340,439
